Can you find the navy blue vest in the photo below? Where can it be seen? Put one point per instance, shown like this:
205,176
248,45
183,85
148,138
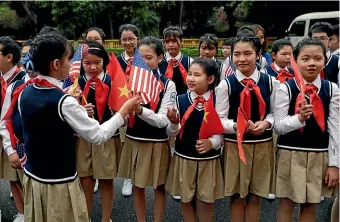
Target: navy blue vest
185,147
91,98
16,118
49,140
181,88
236,88
331,70
145,132
123,63
274,73
312,138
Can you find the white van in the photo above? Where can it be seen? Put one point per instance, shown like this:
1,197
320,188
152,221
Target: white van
300,26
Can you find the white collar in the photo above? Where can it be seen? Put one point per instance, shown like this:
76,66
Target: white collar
52,80
169,57
255,76
328,54
336,52
100,76
316,82
206,95
126,56
278,68
8,74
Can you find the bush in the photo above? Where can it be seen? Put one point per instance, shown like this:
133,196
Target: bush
192,51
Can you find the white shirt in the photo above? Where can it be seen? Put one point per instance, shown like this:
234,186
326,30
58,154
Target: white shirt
222,100
126,56
76,116
168,57
10,72
336,52
285,123
160,119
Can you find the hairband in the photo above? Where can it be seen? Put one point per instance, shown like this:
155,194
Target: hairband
86,48
27,61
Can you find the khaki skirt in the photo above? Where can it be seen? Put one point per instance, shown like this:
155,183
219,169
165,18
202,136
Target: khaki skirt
200,179
257,177
301,176
145,163
54,202
98,161
6,171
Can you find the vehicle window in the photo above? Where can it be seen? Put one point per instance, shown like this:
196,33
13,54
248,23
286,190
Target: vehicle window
297,29
332,21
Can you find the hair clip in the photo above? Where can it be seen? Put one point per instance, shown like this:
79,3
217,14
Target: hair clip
85,50
27,61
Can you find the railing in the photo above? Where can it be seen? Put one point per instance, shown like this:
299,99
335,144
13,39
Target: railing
115,43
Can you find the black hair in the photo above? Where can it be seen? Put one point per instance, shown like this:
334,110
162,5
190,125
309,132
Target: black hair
247,35
336,30
129,27
321,27
279,44
45,48
211,68
309,42
174,31
153,42
246,30
102,53
99,30
49,29
9,46
209,39
228,42
28,42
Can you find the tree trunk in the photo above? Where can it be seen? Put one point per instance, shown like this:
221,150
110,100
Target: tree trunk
111,26
181,14
231,18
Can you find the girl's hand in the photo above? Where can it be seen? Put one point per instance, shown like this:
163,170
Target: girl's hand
173,116
250,126
260,127
332,177
203,146
131,105
305,111
89,109
14,161
75,91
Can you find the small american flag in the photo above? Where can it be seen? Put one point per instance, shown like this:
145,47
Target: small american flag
143,80
230,68
21,153
75,68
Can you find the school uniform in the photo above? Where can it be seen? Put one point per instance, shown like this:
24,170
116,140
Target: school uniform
146,154
305,155
99,161
177,78
331,70
274,70
257,177
267,57
52,187
6,171
191,174
336,52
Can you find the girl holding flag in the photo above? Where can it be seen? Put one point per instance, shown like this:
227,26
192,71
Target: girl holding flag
146,154
307,121
195,172
244,103
97,161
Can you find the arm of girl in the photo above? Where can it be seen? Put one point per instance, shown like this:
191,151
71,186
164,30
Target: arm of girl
333,128
268,122
6,141
214,142
89,129
160,118
222,106
285,123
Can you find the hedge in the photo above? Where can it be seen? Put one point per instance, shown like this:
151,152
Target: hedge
192,52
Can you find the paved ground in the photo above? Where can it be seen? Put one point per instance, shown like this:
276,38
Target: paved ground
124,211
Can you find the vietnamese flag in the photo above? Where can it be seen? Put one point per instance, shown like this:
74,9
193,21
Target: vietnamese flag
119,92
211,124
241,129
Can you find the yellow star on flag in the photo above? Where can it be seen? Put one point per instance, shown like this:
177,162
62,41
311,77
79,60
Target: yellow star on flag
205,116
124,91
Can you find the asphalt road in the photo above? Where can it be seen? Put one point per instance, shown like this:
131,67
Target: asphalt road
124,211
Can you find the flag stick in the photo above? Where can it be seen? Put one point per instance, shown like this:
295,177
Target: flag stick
86,104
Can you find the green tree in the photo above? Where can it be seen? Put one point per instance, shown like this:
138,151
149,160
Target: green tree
147,21
8,17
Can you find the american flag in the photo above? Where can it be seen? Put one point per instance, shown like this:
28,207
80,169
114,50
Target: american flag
21,153
75,68
143,80
230,68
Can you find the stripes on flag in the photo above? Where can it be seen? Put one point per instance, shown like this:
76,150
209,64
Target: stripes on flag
75,68
228,71
145,82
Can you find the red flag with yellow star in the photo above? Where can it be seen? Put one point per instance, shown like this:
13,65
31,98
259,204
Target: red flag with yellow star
119,92
211,124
